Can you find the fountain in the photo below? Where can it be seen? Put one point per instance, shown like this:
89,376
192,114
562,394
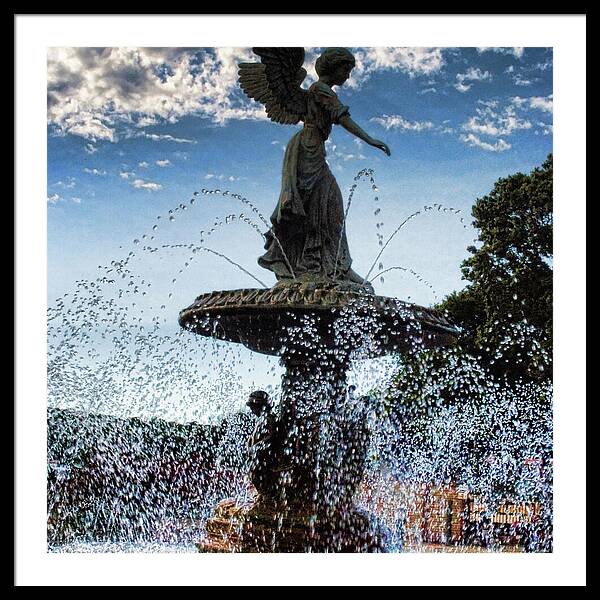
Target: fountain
148,449
313,464
317,318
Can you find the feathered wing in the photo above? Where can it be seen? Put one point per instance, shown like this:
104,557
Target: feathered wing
275,82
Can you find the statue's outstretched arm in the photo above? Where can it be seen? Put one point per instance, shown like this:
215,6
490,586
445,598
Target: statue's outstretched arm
349,125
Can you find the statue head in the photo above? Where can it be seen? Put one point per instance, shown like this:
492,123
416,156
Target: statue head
259,402
335,64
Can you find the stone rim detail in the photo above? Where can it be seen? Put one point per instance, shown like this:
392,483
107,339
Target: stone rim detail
306,299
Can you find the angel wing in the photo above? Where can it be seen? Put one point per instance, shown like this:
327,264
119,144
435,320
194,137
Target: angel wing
275,82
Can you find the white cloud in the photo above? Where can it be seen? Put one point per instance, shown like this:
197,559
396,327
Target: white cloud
476,74
94,172
516,51
53,199
490,121
542,66
95,92
102,93
472,74
463,87
126,174
69,184
146,121
520,80
488,103
163,163
76,200
429,90
85,124
90,149
412,61
143,165
545,104
146,185
472,140
337,156
220,177
399,122
165,137
497,122
525,75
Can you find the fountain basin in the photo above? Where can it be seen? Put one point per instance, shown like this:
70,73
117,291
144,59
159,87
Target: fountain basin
264,320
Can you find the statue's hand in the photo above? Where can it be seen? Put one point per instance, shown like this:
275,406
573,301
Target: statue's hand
382,146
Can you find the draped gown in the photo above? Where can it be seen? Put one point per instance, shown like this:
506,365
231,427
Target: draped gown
307,232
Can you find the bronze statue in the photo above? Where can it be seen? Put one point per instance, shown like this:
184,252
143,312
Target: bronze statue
307,455
261,444
307,240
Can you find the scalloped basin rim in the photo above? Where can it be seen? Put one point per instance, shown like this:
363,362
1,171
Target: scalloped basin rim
257,318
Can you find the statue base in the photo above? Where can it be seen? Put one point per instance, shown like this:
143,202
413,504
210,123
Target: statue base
258,528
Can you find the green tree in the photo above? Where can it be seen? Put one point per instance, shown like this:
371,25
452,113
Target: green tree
506,309
461,409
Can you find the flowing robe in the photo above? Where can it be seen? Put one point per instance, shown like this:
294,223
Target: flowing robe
308,232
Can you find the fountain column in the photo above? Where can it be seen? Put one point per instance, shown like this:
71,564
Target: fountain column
318,457
310,454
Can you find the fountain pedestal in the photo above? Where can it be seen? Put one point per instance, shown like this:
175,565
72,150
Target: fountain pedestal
310,458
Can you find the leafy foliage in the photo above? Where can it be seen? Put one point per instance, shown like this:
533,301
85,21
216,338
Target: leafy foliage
460,410
506,310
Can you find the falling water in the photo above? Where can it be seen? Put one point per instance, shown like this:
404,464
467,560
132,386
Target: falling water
147,430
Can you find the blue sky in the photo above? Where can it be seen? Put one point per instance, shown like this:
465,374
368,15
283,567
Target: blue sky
134,132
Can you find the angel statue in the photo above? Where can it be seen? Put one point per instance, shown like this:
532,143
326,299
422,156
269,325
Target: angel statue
307,240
